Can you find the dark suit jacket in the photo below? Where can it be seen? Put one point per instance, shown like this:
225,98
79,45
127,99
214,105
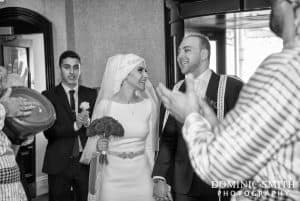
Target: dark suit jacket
61,136
173,155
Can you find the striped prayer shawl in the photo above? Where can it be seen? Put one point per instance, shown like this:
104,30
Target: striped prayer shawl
259,140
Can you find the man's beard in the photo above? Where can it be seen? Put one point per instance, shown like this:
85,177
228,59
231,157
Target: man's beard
275,25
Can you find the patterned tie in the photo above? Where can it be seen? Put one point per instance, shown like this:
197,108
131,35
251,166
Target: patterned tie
75,152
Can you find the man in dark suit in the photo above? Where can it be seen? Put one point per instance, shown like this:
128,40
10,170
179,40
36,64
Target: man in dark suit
67,137
173,164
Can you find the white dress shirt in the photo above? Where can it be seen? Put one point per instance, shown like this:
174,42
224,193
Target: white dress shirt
201,83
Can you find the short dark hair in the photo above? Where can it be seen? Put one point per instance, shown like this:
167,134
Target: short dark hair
204,41
68,54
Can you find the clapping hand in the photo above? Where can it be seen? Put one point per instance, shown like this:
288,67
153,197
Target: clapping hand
181,104
83,119
14,106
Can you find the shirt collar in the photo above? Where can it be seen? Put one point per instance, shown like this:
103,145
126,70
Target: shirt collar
67,89
204,76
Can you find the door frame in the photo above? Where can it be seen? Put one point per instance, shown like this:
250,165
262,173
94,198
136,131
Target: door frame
26,21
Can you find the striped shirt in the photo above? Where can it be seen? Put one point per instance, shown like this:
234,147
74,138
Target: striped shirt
11,188
259,140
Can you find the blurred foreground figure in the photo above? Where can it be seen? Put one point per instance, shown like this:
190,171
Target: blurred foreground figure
11,188
258,142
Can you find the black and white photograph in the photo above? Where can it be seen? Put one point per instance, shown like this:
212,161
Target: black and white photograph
149,100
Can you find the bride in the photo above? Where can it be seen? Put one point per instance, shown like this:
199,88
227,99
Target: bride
127,95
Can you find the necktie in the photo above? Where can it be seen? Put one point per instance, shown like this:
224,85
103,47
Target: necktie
75,152
72,103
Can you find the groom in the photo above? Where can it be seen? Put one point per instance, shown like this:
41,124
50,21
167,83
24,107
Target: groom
73,104
172,165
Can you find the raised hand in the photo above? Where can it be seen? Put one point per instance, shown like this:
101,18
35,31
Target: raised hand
17,78
180,104
3,77
16,106
14,78
83,119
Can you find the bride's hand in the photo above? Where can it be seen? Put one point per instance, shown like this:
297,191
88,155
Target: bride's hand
160,190
102,144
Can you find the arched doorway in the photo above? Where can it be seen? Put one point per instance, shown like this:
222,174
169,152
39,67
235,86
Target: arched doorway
26,21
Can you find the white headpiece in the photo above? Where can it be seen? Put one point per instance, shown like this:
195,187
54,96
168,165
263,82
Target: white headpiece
117,69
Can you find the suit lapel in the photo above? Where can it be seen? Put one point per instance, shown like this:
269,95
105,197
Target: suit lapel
182,87
63,98
162,112
212,90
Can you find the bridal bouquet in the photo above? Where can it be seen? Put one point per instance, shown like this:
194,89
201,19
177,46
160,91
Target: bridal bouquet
104,127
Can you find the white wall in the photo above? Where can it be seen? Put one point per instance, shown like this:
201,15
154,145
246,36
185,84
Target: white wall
107,27
103,28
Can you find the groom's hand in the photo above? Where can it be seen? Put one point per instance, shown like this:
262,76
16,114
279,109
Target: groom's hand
82,119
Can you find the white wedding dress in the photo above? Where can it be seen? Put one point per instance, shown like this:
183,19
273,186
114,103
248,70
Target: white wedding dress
128,179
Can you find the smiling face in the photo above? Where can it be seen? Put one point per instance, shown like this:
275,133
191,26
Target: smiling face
70,71
137,77
191,56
